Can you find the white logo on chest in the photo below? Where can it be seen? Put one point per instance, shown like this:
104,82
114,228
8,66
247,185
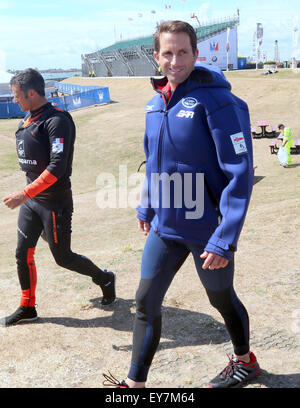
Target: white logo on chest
189,102
185,114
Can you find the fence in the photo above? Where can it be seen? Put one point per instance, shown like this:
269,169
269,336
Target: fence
77,97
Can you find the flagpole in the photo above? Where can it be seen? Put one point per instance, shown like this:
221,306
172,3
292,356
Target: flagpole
227,61
227,48
256,54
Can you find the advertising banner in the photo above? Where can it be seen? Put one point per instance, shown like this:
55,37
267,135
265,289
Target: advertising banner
213,51
75,97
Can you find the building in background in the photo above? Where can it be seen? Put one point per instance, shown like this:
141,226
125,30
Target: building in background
217,45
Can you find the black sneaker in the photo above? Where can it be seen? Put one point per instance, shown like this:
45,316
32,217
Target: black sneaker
236,373
22,314
111,381
109,289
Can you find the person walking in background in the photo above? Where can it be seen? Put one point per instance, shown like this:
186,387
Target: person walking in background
287,141
198,136
45,145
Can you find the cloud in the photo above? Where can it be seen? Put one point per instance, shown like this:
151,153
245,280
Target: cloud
4,5
56,37
2,60
205,12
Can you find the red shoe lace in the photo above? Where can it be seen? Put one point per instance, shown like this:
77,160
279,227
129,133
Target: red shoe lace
230,368
111,381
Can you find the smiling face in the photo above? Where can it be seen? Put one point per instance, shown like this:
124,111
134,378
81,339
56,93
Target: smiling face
176,57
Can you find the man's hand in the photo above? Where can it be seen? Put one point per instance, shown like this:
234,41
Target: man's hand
144,226
213,261
15,199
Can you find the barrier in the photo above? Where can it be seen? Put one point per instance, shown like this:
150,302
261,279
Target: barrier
77,97
10,110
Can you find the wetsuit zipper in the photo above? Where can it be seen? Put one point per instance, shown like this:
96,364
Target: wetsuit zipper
161,135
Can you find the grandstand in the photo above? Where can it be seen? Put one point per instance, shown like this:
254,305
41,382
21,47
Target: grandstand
135,57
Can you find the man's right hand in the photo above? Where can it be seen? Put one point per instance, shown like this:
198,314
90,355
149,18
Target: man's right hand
144,226
15,199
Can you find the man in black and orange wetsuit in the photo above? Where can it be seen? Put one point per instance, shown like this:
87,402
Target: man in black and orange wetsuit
45,145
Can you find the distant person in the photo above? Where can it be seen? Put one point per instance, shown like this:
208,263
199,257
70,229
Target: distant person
45,144
287,141
195,129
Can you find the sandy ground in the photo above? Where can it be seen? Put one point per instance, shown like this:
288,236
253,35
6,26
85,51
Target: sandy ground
74,340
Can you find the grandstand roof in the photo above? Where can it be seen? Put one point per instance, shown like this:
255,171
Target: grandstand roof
202,32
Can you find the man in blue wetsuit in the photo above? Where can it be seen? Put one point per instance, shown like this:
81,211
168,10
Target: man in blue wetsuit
199,178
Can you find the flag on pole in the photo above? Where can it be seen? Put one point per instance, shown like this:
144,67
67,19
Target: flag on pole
227,42
167,6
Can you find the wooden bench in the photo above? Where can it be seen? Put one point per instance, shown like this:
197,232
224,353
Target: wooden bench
272,133
273,146
254,134
253,131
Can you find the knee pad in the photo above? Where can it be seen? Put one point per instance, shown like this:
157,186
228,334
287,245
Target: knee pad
221,300
141,294
145,302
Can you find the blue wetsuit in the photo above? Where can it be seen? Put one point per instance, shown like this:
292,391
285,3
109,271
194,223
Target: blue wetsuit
202,128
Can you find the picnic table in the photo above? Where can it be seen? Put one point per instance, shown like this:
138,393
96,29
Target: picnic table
295,149
263,124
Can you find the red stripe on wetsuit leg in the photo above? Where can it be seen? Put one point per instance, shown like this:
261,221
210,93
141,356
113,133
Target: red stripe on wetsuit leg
28,295
54,228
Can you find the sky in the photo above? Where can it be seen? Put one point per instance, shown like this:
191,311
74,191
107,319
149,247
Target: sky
53,34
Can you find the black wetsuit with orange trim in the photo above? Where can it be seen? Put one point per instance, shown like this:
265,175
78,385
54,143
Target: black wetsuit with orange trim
45,144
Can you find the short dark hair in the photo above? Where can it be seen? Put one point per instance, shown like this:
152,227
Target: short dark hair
29,79
175,26
280,125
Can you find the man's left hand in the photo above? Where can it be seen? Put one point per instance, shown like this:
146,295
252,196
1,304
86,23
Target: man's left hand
213,261
15,199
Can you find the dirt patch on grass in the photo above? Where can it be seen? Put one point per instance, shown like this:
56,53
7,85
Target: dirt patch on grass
75,340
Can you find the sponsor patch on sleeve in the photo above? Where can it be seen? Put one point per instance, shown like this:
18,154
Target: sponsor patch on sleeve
58,145
239,143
